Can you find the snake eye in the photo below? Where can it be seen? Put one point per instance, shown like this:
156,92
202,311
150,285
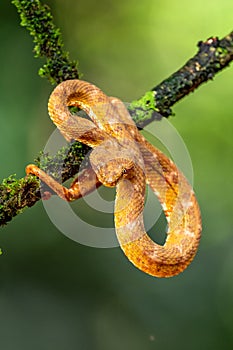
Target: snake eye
126,167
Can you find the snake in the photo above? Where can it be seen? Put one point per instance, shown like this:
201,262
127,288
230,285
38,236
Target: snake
121,157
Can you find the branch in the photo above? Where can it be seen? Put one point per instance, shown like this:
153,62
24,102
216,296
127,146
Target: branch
38,20
213,56
15,195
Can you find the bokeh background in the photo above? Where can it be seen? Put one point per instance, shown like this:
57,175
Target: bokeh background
58,294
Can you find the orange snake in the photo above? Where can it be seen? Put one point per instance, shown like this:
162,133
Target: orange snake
122,157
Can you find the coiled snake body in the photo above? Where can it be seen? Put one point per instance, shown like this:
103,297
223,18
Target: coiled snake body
122,157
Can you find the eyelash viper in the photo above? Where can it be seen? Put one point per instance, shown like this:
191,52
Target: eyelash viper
122,157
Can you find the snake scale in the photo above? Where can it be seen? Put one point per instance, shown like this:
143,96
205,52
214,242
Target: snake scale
122,157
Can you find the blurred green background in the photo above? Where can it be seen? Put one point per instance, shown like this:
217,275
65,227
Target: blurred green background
58,294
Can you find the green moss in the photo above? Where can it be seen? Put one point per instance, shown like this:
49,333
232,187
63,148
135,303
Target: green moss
221,51
15,195
38,20
220,54
147,101
11,185
144,108
65,164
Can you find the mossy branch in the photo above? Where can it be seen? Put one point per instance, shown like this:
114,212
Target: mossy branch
213,55
38,20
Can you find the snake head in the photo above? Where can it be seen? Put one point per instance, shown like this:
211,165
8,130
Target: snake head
110,172
111,162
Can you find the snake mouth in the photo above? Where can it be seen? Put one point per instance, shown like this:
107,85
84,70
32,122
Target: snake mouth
111,173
